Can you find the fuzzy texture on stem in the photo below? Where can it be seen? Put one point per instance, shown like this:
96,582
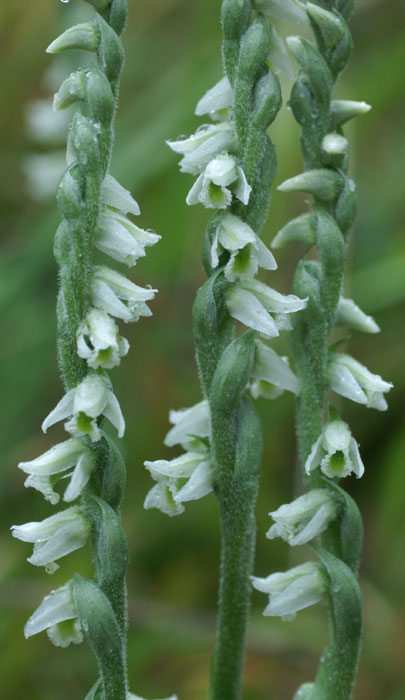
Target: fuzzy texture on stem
94,208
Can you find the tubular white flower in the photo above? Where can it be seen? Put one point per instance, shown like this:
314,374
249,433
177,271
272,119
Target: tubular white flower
304,518
191,427
121,239
272,374
54,537
114,195
119,297
89,400
251,302
185,478
349,314
216,101
278,53
200,148
71,456
98,340
336,452
56,614
221,178
248,251
351,379
293,590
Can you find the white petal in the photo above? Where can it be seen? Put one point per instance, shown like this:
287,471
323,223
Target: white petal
180,467
58,459
349,314
189,422
265,258
199,484
113,412
161,497
272,368
290,10
61,411
278,53
104,298
80,477
272,300
218,97
246,308
233,233
342,381
315,456
336,436
242,189
193,196
114,195
222,170
358,466
56,607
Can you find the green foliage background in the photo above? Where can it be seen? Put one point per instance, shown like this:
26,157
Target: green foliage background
172,58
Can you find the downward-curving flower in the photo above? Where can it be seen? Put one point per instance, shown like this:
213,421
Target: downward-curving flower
222,178
200,148
121,239
98,340
304,518
71,459
191,427
185,478
252,302
247,251
54,537
351,379
57,614
336,452
118,296
293,590
217,101
89,400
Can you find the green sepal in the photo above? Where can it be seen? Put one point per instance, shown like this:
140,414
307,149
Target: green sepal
254,48
85,143
302,229
338,664
69,193
110,52
81,36
267,100
255,212
249,446
235,15
110,547
346,205
318,73
344,536
103,634
331,248
228,385
100,97
343,110
333,37
73,89
118,15
110,476
212,326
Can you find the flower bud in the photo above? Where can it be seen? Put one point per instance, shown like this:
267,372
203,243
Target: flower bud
81,36
302,229
334,149
290,10
72,90
343,110
350,315
323,184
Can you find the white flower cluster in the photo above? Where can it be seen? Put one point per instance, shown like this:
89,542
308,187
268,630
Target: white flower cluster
84,406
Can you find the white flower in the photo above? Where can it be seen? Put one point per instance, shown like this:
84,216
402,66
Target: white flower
71,458
217,101
207,142
271,374
293,590
54,537
131,696
336,452
114,195
89,400
119,297
304,519
247,250
290,10
191,427
351,379
57,614
121,239
98,341
251,302
221,178
185,478
349,314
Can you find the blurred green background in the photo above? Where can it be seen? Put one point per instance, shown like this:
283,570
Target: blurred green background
173,57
